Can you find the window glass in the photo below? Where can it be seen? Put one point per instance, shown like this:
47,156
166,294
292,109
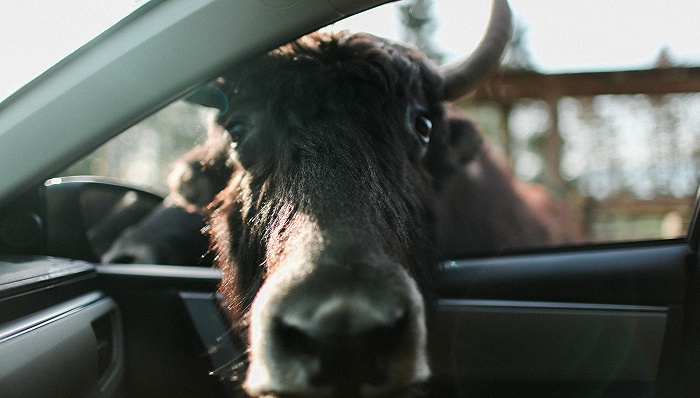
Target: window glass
627,165
143,155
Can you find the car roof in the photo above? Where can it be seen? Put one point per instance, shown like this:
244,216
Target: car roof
154,56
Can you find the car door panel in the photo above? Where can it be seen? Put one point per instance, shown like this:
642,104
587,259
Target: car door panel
54,351
63,336
605,321
75,329
167,352
582,346
652,274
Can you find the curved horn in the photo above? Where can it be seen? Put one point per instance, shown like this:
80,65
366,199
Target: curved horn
461,77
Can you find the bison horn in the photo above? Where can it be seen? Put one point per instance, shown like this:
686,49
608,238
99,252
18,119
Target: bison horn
460,78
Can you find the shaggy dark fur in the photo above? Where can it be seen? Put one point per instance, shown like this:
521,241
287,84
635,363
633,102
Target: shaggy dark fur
330,135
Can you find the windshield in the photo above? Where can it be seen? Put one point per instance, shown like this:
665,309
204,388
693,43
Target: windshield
33,37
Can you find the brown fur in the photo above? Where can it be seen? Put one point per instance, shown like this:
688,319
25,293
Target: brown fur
483,209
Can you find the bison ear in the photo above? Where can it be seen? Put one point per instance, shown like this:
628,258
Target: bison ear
199,175
464,139
210,96
459,142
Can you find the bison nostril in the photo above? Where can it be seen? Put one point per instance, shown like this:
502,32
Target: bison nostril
336,351
294,340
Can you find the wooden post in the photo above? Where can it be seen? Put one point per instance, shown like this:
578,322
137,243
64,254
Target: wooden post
505,109
553,151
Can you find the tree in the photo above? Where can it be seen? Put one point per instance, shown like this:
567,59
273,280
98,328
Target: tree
419,26
518,55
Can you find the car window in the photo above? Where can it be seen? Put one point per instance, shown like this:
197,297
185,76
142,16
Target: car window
624,164
33,37
144,154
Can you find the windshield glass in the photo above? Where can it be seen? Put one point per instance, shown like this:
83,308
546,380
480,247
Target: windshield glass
33,37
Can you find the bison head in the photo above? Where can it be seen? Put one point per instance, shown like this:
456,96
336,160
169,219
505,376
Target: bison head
324,231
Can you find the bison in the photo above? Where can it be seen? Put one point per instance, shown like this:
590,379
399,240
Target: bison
333,167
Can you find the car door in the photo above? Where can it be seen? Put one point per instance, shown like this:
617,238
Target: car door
70,327
606,320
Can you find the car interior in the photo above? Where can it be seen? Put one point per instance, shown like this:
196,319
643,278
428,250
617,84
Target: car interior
592,320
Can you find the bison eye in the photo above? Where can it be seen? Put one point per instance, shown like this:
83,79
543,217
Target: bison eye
236,131
423,127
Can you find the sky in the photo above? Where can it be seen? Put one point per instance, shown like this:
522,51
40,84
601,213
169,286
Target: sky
36,34
566,35
563,35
